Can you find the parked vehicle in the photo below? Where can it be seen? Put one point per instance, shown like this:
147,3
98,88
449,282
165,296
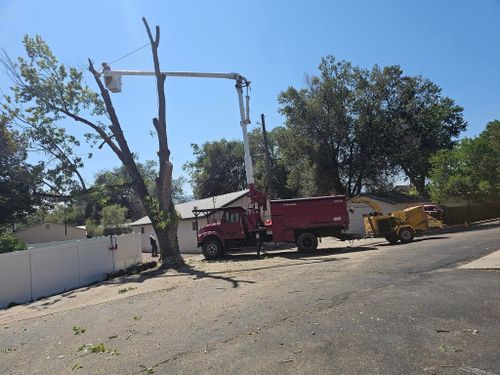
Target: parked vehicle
400,225
436,211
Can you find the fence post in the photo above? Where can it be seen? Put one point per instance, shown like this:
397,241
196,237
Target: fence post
78,263
31,275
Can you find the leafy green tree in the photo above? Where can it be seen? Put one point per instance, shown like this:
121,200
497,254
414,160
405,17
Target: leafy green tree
471,170
51,92
218,168
113,216
354,128
284,186
93,228
66,214
19,181
36,79
424,122
491,135
337,129
116,187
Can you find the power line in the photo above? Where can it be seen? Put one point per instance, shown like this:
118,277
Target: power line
130,53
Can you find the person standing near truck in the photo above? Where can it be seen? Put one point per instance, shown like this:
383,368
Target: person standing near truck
154,246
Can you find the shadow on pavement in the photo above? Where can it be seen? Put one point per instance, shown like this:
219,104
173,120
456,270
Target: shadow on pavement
200,274
418,239
293,254
322,255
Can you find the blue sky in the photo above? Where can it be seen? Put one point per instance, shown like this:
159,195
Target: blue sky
275,44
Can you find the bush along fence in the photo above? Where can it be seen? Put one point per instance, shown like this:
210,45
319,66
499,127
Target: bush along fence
471,213
55,268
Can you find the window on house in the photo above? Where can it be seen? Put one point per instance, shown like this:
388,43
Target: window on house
142,229
193,225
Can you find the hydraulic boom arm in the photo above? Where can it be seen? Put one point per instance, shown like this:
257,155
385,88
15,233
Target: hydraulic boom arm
112,79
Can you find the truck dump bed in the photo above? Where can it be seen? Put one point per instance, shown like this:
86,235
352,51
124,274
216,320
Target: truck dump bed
324,216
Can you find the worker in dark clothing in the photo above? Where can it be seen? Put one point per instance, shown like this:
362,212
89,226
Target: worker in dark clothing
154,246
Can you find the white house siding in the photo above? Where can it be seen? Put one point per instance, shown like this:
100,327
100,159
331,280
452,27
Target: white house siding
187,237
50,232
148,231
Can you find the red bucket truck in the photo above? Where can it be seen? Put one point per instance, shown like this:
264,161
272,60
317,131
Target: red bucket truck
301,221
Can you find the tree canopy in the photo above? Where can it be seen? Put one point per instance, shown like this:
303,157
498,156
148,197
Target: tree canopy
46,92
218,168
357,128
19,181
471,170
349,130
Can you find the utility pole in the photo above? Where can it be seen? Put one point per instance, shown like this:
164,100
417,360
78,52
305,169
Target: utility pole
268,157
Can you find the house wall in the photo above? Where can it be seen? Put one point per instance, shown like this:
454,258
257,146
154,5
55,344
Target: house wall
185,233
187,237
50,232
145,231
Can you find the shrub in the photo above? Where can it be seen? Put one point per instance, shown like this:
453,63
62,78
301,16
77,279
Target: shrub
10,243
93,228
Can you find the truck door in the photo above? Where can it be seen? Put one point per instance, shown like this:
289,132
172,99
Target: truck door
233,226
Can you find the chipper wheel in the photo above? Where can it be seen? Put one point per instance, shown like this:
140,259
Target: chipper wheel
307,242
406,235
212,249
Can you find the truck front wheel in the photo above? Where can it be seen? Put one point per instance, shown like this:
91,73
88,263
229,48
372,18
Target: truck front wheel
212,249
307,242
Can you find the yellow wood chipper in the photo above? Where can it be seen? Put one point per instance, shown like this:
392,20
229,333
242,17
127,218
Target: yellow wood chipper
400,225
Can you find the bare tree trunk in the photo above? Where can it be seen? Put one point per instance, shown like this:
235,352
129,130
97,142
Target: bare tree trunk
167,238
161,211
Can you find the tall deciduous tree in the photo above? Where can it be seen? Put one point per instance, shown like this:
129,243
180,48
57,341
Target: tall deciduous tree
280,168
218,168
423,123
51,92
354,128
471,170
19,181
337,126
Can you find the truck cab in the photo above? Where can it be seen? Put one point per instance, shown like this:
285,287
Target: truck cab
229,227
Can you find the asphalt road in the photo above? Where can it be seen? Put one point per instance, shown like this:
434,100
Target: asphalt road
373,309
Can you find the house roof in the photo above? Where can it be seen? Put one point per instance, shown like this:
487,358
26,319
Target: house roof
393,197
185,210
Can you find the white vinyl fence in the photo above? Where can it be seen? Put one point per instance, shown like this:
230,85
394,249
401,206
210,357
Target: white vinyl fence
58,267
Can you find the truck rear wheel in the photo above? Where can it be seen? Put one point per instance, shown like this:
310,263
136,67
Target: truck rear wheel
212,249
307,242
406,235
